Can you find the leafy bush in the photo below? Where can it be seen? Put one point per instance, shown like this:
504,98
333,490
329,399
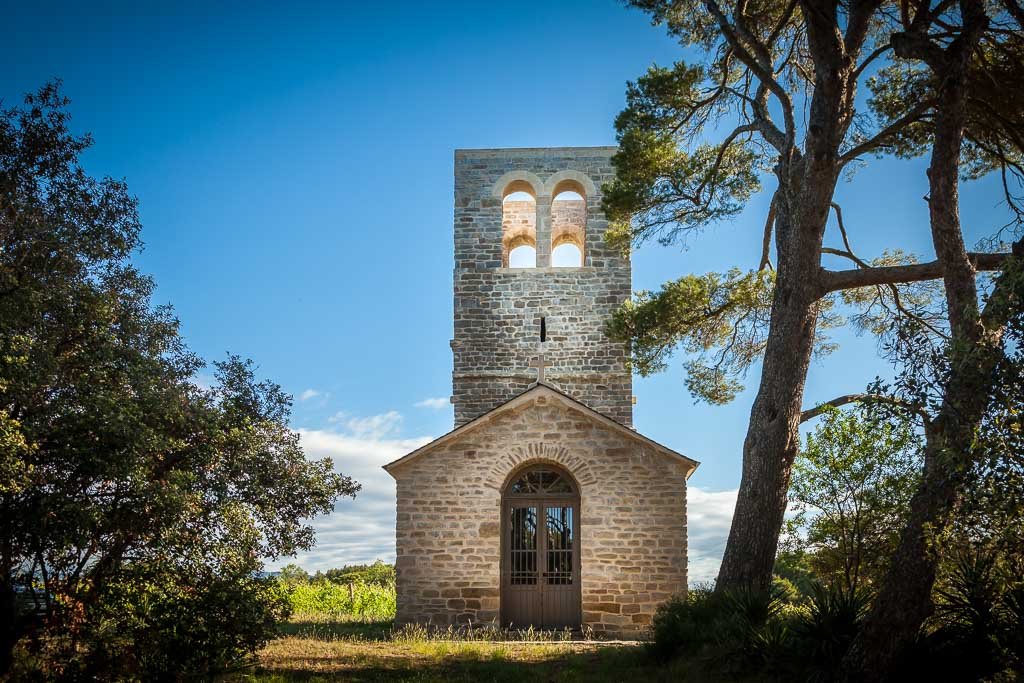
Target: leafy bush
147,626
729,632
680,625
190,628
378,573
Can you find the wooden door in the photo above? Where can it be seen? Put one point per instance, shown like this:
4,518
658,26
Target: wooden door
540,554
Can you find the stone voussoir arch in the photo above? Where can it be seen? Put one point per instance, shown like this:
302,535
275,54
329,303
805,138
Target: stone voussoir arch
518,457
516,181
570,177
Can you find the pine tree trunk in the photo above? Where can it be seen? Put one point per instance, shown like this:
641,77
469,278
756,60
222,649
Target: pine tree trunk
904,601
806,187
772,434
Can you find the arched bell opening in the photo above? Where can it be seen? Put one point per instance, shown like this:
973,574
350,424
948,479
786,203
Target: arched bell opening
519,227
568,224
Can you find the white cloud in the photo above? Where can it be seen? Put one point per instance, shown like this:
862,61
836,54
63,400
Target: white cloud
373,427
434,403
360,530
308,394
709,514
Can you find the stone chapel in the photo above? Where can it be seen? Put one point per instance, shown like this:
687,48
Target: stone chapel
543,506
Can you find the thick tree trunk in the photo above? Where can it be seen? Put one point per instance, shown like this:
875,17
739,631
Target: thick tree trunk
904,601
773,432
806,187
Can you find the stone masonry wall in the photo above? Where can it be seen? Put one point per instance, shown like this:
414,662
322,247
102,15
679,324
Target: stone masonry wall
632,519
498,309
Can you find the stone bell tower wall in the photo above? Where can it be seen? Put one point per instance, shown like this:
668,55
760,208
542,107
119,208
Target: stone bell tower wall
498,310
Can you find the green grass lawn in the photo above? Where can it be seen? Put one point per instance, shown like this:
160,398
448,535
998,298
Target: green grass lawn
316,650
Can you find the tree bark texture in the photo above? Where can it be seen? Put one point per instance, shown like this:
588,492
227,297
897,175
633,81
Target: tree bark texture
806,187
904,601
772,437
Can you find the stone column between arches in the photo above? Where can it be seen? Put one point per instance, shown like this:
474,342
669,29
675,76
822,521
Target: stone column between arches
543,231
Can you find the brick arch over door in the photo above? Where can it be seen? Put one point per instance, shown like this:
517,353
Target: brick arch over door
516,457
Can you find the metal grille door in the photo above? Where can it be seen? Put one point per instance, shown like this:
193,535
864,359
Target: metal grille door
540,558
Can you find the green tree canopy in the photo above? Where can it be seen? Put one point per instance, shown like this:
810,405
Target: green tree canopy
127,491
769,95
850,490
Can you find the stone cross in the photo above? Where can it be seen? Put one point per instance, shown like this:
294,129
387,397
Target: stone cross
540,364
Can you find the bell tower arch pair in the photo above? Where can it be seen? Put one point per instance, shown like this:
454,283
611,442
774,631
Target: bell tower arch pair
505,316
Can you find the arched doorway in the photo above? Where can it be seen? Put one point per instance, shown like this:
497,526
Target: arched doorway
540,555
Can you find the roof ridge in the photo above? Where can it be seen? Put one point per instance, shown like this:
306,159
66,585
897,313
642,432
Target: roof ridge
478,420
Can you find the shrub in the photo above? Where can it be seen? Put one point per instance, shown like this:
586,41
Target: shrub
730,633
823,632
976,632
752,634
680,624
148,626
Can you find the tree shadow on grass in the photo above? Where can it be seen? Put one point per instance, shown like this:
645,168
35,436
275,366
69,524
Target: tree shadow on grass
608,664
338,630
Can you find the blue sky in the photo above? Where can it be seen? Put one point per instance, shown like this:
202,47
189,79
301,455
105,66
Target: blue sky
294,169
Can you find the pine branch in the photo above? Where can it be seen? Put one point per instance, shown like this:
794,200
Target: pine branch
836,280
846,399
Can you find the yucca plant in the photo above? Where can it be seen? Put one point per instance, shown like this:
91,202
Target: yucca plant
970,604
1014,637
747,636
824,631
976,626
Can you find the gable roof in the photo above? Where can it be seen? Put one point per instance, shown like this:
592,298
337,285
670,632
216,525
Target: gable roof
536,390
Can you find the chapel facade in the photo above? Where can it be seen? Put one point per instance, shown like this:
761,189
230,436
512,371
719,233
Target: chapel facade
543,506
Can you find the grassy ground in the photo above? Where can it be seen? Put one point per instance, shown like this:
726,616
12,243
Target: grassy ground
324,651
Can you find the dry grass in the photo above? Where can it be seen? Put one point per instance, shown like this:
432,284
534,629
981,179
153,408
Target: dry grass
349,651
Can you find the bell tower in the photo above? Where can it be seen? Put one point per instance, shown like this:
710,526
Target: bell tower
534,280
